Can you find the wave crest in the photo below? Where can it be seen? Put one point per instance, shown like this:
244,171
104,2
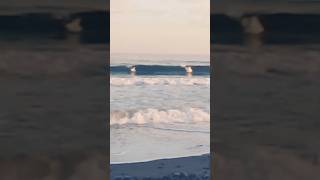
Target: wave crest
125,81
154,116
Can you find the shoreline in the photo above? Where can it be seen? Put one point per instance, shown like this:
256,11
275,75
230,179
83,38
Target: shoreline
191,167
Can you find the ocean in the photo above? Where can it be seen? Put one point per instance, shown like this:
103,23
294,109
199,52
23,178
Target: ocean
53,107
159,111
265,90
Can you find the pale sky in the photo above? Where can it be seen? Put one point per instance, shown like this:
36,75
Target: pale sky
160,26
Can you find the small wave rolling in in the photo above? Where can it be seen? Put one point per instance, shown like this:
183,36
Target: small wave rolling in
152,70
125,81
159,111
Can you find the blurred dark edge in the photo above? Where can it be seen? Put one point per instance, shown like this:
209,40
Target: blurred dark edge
265,93
54,110
33,26
279,28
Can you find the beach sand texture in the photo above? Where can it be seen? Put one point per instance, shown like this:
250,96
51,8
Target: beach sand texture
195,167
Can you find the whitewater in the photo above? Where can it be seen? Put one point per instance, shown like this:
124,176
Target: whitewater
159,112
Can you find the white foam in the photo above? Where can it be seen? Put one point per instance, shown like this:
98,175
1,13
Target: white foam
154,116
126,81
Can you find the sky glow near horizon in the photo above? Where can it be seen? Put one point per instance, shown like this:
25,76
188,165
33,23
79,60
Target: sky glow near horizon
160,26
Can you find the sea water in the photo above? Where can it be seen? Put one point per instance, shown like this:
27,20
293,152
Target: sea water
159,111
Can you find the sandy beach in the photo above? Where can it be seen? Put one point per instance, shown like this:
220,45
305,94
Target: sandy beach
195,167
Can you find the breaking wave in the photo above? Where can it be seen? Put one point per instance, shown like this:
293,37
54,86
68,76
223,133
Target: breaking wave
156,116
125,81
161,70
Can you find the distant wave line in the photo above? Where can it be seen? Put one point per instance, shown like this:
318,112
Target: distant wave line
160,70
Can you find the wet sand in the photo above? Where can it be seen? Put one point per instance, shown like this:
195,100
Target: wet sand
195,167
